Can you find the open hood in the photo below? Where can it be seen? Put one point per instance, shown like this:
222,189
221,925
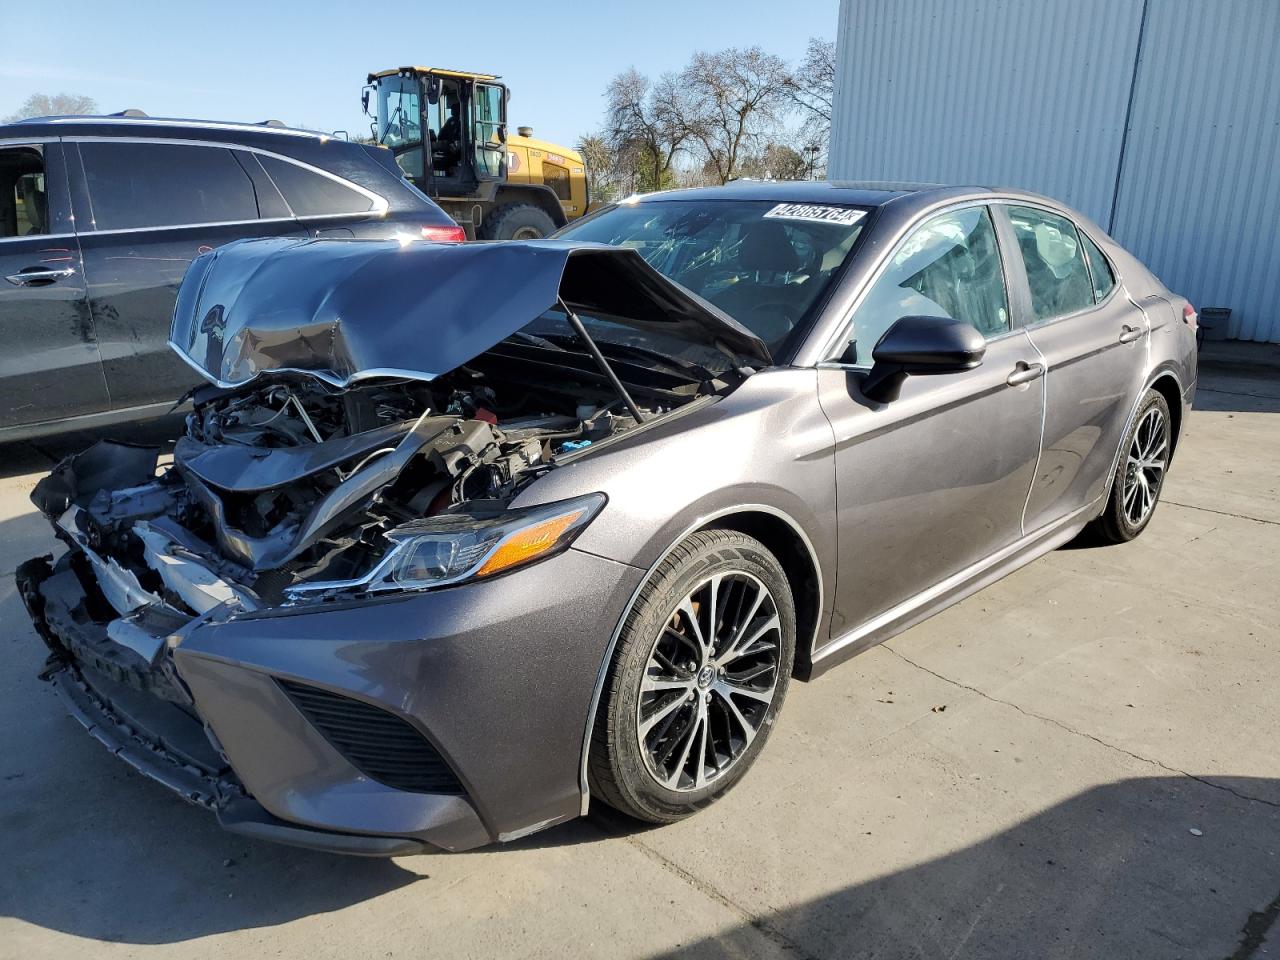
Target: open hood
346,310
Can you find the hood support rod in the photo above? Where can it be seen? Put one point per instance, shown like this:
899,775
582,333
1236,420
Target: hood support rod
601,362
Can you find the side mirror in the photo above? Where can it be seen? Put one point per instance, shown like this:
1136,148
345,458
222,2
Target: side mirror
364,100
916,346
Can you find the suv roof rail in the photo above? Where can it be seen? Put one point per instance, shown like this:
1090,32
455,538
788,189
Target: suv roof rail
129,112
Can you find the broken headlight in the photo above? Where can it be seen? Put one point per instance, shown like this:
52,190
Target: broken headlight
453,547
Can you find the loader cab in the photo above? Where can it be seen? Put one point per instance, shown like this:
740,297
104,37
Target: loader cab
446,128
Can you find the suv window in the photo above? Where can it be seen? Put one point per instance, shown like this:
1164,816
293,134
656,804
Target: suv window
312,194
24,210
135,185
949,267
1054,258
1099,269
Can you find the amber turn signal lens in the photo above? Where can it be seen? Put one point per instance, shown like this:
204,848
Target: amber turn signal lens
528,544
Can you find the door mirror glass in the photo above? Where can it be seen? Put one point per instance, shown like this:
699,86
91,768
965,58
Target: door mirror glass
917,345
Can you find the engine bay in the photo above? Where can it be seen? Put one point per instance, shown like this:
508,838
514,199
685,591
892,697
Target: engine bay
290,479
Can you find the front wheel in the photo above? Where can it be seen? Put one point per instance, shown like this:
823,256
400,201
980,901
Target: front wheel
698,676
1143,461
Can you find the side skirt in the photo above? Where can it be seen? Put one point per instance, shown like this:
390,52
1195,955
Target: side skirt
952,590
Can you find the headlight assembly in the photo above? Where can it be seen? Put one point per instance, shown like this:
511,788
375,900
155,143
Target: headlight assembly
456,547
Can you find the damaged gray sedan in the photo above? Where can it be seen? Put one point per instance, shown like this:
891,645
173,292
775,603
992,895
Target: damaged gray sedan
460,536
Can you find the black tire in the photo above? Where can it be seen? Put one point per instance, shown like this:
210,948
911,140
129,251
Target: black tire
1118,524
620,771
517,219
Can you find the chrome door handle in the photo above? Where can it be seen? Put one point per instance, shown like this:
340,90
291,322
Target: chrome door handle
1129,334
1025,373
26,278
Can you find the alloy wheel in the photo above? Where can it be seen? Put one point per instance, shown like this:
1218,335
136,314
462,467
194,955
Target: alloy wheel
709,682
1144,472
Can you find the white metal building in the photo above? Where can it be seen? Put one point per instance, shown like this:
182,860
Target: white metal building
1160,119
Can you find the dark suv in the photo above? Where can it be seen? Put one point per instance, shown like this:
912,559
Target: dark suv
99,218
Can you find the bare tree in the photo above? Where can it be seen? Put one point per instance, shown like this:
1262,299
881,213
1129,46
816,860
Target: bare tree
646,125
811,88
57,105
738,98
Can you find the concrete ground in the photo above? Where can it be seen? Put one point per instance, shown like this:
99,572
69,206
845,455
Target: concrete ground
1081,761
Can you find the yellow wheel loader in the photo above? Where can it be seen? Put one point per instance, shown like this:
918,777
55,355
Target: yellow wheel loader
448,131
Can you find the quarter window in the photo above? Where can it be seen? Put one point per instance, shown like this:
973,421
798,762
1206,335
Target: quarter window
1099,269
135,185
24,209
312,194
1054,258
949,267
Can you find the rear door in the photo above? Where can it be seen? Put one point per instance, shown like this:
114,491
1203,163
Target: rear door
153,206
1093,342
49,365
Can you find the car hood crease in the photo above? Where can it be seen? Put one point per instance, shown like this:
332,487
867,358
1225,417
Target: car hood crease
346,310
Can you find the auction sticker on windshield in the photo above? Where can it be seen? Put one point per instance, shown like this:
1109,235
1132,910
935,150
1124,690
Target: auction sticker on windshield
820,212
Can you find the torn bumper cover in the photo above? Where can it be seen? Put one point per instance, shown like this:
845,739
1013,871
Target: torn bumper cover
382,726
376,729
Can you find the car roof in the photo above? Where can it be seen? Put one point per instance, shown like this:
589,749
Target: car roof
858,193
268,131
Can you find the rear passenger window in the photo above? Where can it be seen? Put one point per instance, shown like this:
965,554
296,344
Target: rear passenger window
312,194
1054,258
949,267
135,185
1099,269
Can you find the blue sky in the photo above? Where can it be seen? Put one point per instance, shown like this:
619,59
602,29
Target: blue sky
304,63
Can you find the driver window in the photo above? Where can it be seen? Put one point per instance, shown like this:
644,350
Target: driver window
949,267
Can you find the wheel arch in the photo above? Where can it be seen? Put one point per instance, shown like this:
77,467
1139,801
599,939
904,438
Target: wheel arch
537,195
1166,384
783,536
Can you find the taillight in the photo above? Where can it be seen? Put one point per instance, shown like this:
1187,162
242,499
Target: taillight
442,234
1189,316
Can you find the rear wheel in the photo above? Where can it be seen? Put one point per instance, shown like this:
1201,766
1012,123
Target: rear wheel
517,221
698,676
1144,458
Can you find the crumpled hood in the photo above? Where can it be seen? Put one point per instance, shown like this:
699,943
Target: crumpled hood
345,310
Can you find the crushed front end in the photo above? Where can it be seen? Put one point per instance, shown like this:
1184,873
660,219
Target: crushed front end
334,615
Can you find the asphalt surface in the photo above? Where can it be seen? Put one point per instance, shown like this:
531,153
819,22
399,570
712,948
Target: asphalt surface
1080,761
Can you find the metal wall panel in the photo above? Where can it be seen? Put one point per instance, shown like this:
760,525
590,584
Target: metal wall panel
1035,94
1025,93
1199,197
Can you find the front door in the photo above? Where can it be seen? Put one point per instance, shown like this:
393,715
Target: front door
1092,340
49,364
932,483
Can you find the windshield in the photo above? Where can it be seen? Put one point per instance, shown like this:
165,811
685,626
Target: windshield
400,121
762,262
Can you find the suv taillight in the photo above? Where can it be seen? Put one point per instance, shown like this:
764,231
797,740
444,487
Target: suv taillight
441,234
1189,316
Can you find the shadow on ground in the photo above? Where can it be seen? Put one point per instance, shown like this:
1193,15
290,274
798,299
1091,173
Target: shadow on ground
1113,872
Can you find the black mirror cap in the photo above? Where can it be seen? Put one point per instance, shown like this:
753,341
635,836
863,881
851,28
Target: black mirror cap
930,345
918,346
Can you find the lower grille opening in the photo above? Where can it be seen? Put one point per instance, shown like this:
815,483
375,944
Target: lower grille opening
379,744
